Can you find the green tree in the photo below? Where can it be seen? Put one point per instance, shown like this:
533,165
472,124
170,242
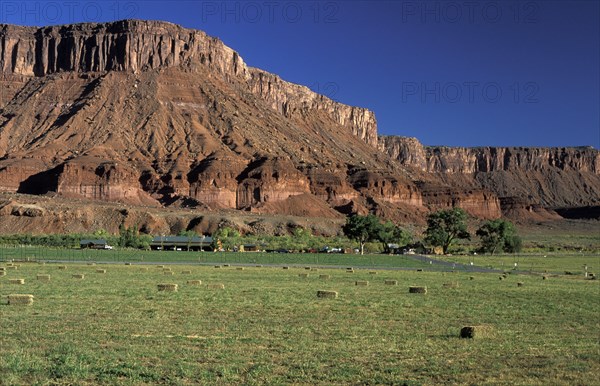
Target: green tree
362,229
390,233
498,235
229,238
446,226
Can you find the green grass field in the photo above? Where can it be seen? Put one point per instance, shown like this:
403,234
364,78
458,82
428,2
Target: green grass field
268,327
124,255
548,262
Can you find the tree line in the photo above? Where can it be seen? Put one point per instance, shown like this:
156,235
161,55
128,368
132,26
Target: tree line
444,228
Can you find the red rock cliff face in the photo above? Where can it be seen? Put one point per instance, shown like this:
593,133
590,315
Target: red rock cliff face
135,46
553,177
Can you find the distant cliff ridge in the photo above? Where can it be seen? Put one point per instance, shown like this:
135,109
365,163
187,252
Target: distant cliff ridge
554,177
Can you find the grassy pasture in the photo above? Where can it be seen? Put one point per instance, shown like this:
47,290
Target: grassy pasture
268,327
120,255
548,262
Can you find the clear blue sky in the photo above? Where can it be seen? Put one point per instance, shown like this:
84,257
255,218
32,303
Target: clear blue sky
458,73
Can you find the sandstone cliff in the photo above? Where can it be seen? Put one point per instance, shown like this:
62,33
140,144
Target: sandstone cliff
551,177
153,114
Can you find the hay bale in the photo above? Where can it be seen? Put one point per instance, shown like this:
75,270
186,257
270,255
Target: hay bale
325,277
240,268
78,276
168,273
100,271
144,269
303,275
194,282
168,287
166,269
520,284
91,263
349,271
160,266
475,332
419,269
362,283
127,263
391,282
286,267
12,267
42,277
327,294
258,266
2,273
501,278
62,267
2,269
17,281
417,290
20,299
372,272
226,265
544,277
216,286
217,266
307,268
471,277
452,284
186,272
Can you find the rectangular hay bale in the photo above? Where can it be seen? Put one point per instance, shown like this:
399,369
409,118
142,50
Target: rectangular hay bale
391,282
62,267
100,271
475,332
303,275
194,282
216,286
17,281
325,277
168,287
186,272
42,277
417,290
327,294
361,283
20,299
78,276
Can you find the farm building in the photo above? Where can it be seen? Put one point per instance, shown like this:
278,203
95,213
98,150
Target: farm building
94,244
182,243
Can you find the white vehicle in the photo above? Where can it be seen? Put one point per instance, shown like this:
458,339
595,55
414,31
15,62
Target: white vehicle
108,247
